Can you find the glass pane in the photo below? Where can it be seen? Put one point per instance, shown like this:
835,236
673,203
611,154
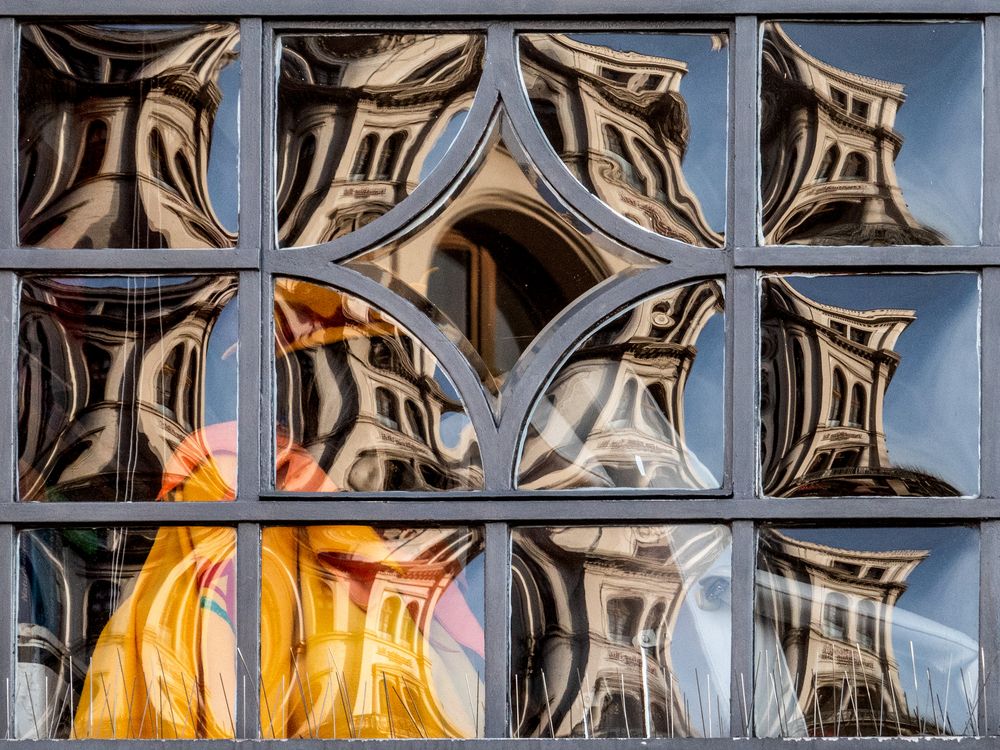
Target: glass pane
871,134
848,392
863,632
361,404
129,136
372,633
640,120
621,631
127,388
499,263
639,404
126,633
362,119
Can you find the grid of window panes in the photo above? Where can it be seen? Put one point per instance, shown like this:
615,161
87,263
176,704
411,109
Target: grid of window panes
505,379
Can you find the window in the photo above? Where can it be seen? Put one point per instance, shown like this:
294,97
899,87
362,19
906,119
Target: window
473,375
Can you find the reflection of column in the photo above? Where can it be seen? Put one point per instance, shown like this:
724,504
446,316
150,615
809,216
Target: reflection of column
828,150
831,613
358,117
588,603
614,415
363,398
115,135
825,371
619,122
112,381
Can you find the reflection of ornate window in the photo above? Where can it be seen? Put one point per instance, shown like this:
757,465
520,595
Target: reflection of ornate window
856,418
624,615
835,616
389,617
866,624
836,397
829,163
363,159
855,167
386,408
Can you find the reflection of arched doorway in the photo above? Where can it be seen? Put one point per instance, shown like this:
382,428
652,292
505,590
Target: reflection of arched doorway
501,275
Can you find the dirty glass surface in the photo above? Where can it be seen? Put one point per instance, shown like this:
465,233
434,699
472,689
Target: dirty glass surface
372,633
129,136
126,633
871,134
126,388
361,120
867,632
848,392
640,120
639,403
620,631
500,261
362,405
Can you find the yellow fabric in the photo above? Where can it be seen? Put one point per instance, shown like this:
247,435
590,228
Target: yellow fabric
164,665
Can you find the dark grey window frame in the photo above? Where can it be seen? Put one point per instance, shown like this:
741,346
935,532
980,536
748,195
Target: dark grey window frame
500,506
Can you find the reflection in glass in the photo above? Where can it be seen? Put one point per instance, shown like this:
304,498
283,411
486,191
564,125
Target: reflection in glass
863,632
372,633
614,416
614,109
361,405
126,388
621,631
362,119
126,633
502,259
128,136
843,161
847,392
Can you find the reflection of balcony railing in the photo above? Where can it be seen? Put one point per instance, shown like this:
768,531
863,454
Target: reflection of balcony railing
861,471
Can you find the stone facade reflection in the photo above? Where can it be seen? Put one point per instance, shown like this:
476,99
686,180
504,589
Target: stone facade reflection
619,122
112,386
360,118
827,666
828,151
614,414
115,135
595,612
360,402
377,636
824,375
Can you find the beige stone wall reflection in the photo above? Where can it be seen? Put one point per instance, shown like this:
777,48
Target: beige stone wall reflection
112,380
614,414
115,135
824,375
594,641
828,151
361,404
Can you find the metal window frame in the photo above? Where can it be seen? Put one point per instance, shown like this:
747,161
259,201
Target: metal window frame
500,506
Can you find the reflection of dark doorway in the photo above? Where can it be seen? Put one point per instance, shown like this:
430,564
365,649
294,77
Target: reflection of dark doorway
501,276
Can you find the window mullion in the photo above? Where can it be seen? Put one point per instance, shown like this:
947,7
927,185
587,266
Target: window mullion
497,628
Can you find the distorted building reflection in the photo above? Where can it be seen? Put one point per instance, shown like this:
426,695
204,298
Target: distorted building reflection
828,151
116,131
827,663
112,386
614,414
595,650
361,403
361,119
371,633
125,633
619,122
824,375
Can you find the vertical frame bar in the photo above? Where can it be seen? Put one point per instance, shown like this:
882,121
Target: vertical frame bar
991,132
743,417
742,599
746,62
9,325
9,38
989,627
989,342
248,555
250,428
251,114
8,625
497,628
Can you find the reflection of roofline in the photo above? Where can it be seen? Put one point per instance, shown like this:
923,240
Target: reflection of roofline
899,554
619,56
877,85
878,314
